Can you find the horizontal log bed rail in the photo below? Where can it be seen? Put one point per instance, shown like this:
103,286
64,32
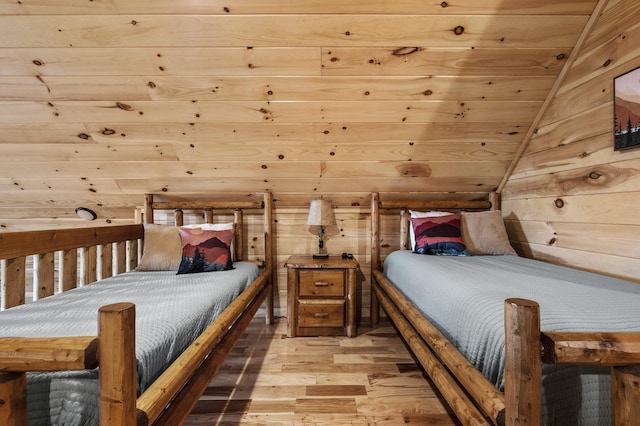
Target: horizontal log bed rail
474,399
172,396
91,246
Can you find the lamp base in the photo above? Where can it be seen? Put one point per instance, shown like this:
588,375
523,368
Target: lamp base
320,256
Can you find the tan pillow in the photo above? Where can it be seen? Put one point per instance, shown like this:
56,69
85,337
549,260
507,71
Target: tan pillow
162,248
484,233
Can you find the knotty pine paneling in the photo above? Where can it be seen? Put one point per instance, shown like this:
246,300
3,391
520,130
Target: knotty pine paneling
371,6
393,138
617,240
234,169
597,62
616,266
601,93
621,176
65,88
604,208
317,185
102,101
87,152
159,169
159,61
325,135
393,169
617,15
108,185
291,30
571,198
274,88
194,153
356,87
271,111
52,7
568,131
463,61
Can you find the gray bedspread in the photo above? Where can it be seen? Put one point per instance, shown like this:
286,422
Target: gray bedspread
171,312
464,297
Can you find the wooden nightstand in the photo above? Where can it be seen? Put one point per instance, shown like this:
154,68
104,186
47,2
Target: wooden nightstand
321,296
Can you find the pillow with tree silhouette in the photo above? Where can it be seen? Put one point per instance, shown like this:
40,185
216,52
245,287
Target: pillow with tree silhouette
205,250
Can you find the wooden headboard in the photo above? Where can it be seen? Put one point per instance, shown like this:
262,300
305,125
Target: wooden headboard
207,209
65,258
415,203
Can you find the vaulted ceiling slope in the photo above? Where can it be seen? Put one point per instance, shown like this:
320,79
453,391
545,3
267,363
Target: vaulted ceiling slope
104,100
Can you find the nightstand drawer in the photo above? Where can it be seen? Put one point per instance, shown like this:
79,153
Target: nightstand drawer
321,282
329,314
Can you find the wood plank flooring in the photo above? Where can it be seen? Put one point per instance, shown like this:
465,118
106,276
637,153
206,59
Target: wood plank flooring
367,380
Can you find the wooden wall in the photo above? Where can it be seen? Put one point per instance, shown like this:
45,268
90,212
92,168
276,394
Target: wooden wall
572,199
103,101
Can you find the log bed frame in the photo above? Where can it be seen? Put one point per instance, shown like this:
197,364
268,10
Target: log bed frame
471,396
169,400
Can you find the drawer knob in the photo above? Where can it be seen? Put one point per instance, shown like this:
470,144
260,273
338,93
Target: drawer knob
322,284
321,315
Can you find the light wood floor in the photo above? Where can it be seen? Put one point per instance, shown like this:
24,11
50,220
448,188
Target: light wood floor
367,380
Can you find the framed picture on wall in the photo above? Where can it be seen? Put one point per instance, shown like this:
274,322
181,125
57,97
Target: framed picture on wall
626,110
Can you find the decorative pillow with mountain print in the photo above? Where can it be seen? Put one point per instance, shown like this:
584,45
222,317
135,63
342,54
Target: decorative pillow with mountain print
439,235
205,250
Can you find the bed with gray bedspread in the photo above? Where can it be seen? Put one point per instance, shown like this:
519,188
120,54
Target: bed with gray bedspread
171,312
464,298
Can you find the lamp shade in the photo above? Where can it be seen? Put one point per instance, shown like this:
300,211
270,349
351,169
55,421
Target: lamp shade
320,213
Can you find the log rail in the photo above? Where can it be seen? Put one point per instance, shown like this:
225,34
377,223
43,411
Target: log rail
94,247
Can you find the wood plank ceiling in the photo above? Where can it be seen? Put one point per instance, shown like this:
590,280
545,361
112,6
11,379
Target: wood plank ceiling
104,100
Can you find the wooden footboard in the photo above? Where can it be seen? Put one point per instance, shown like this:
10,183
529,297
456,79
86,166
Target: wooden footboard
172,396
471,396
527,348
167,401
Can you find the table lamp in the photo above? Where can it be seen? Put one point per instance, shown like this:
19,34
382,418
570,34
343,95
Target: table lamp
321,215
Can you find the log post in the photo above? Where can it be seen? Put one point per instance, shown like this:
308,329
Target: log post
13,399
625,395
494,199
104,261
68,274
523,364
267,202
133,254
118,375
43,275
178,217
374,306
238,246
121,257
147,210
405,223
12,281
88,265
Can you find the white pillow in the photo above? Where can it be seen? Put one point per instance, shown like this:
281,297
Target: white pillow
432,213
210,226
